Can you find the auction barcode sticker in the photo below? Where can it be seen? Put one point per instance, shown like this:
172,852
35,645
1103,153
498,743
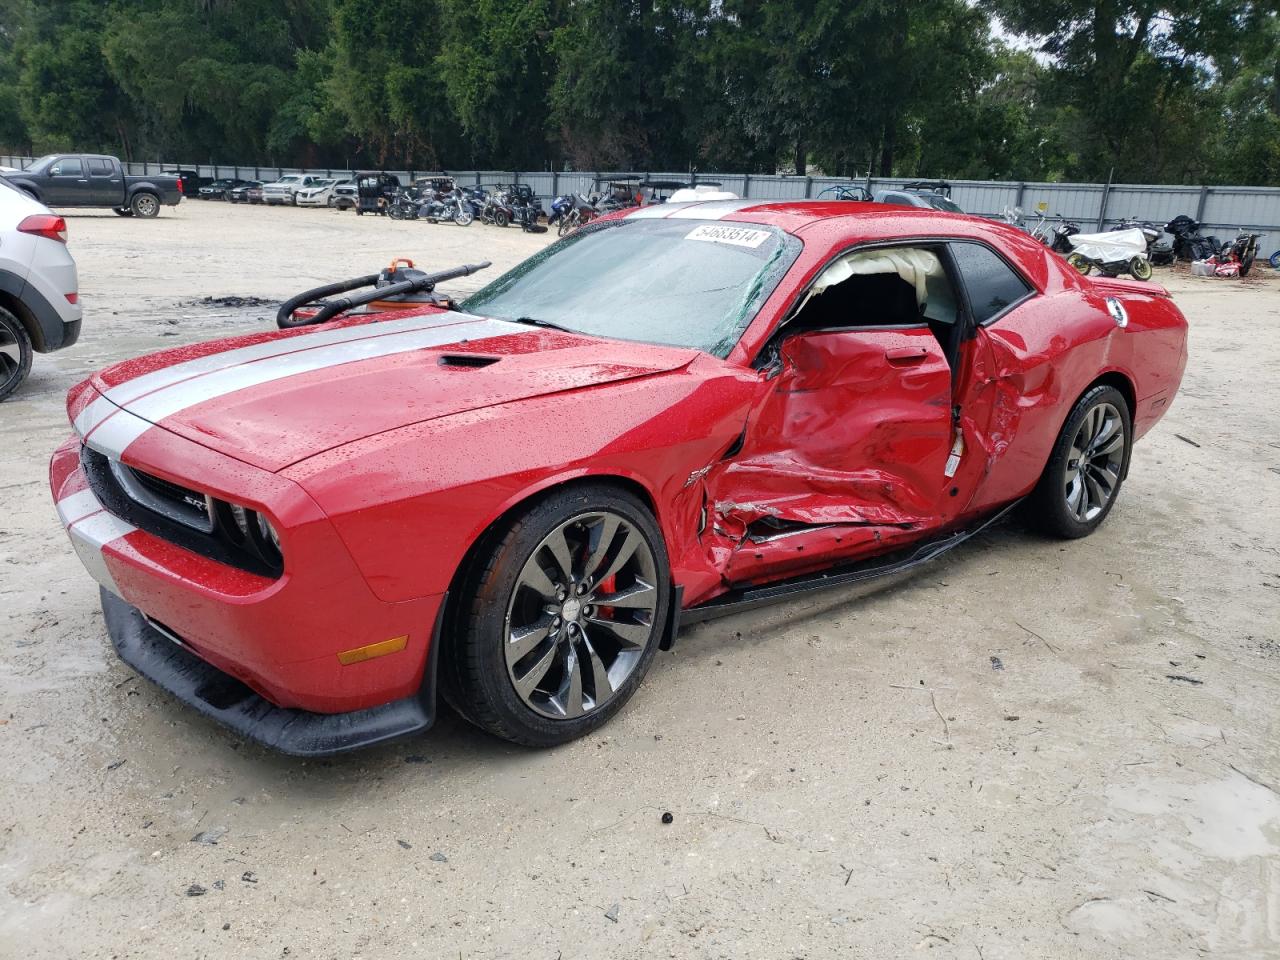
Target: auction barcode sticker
723,233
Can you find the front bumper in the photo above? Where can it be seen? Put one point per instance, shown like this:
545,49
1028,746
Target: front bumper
165,662
287,638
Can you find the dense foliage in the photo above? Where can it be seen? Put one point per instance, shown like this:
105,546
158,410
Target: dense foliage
1179,91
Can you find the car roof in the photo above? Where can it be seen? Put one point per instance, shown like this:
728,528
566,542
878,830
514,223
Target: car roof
863,220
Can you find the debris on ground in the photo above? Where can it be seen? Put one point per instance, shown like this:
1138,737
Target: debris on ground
195,890
117,765
416,758
405,844
1179,677
668,817
249,877
1187,440
210,837
439,857
231,301
997,663
612,913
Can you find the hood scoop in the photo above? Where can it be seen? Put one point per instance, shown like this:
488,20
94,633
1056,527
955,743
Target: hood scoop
467,361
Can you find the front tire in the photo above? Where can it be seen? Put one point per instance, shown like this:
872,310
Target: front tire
539,676
1086,469
146,205
1140,268
15,353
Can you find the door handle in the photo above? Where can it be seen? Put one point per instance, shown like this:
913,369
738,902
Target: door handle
906,355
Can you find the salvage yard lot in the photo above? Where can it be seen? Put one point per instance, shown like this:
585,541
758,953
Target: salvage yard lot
1032,749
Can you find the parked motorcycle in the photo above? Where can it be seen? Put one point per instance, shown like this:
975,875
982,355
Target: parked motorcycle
1188,243
561,207
584,210
1111,253
514,204
448,207
1243,250
1058,237
404,205
1159,251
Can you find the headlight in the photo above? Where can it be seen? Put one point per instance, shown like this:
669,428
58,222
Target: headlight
253,532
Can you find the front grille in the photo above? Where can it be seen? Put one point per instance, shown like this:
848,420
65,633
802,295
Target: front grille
176,513
171,500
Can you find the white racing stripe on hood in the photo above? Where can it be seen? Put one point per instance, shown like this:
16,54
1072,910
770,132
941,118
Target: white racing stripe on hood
694,210
119,429
122,394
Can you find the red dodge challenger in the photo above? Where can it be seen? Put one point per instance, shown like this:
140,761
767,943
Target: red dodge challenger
678,412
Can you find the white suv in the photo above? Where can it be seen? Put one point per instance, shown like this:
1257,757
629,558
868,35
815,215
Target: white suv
285,190
39,290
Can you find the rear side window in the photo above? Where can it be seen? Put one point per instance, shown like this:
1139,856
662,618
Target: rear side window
66,167
100,168
993,286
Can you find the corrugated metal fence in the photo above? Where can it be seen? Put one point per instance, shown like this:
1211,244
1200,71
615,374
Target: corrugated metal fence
1094,205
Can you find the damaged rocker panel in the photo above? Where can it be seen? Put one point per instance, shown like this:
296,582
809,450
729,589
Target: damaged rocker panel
872,572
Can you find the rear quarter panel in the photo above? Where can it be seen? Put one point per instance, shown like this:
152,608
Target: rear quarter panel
1043,356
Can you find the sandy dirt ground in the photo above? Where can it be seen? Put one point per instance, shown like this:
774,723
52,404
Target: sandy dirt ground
1033,749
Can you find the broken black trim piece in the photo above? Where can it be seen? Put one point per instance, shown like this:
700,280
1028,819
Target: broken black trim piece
221,697
875,570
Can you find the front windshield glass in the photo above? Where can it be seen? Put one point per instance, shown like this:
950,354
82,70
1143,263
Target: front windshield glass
683,283
37,166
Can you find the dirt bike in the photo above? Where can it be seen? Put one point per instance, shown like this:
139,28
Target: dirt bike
1242,250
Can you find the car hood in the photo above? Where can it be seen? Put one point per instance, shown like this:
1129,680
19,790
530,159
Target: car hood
276,399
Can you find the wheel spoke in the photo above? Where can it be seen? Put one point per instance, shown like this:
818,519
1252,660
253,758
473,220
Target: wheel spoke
604,530
569,695
1104,478
1075,491
1112,446
11,352
527,682
630,544
627,634
536,579
1107,436
601,686
523,640
558,544
638,596
1096,498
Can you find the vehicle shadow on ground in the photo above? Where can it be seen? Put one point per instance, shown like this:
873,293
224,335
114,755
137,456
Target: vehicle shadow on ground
454,749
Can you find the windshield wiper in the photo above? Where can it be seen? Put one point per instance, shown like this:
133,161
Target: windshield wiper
536,322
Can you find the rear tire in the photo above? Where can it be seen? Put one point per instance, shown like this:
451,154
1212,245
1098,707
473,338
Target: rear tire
15,353
500,218
1082,480
574,672
145,205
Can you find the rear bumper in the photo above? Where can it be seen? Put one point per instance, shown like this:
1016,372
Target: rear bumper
220,696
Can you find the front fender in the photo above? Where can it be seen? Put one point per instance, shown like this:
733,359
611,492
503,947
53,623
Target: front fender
409,504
